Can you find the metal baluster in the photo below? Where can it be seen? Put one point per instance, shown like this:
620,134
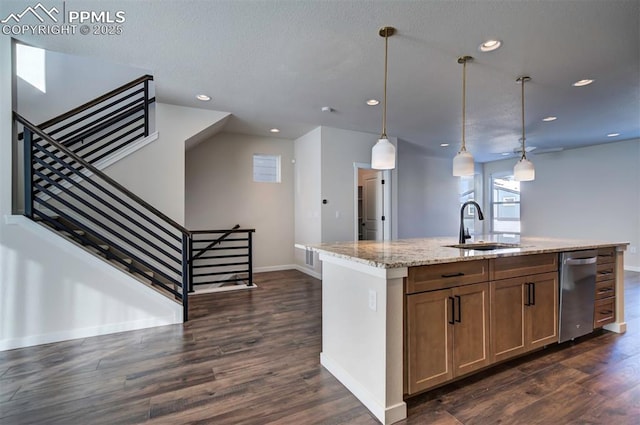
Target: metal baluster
250,282
187,284
28,173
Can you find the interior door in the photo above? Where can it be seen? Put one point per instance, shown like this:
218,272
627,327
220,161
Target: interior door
372,200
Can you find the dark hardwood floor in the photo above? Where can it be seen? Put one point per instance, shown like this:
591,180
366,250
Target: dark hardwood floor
252,357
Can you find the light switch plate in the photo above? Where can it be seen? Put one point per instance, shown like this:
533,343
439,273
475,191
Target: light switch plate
373,300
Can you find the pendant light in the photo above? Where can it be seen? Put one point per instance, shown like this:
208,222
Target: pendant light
383,154
463,164
523,170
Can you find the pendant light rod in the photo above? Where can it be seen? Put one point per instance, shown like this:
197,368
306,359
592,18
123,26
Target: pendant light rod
463,60
385,32
523,80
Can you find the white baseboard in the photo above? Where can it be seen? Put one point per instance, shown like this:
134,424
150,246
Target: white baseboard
281,267
385,414
277,268
310,272
632,268
29,341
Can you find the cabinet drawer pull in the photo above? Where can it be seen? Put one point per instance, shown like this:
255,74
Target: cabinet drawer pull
533,293
453,274
605,290
453,309
606,311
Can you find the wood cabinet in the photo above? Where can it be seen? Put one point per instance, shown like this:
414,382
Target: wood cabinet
461,317
447,335
605,296
524,314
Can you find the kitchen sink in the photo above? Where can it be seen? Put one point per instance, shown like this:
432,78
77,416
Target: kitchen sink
485,246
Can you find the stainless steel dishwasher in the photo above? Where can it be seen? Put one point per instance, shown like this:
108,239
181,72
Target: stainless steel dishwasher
577,293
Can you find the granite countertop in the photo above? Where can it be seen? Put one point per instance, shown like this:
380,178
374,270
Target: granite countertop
424,251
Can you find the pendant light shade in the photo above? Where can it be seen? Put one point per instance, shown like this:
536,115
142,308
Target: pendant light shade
463,163
383,154
523,170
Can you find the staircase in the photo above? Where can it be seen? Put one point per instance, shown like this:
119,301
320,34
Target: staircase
66,192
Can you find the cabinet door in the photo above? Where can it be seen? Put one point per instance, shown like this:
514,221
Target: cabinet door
471,342
542,320
429,339
508,318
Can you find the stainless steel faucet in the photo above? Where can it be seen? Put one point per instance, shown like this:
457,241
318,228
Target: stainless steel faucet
465,235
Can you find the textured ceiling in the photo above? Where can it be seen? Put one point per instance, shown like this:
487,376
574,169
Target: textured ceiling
275,63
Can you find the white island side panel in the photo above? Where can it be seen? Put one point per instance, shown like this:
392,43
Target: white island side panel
361,346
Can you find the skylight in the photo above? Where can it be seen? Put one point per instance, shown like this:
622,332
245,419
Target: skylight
30,66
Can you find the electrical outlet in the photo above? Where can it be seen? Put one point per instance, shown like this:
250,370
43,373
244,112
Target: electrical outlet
373,300
633,250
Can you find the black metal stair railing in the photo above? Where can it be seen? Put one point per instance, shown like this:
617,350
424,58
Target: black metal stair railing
103,125
66,192
221,259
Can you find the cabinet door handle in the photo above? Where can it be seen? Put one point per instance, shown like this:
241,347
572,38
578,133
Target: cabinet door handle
453,309
453,275
528,301
459,319
533,293
606,311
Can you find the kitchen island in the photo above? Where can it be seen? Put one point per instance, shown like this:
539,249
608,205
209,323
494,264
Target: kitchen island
381,300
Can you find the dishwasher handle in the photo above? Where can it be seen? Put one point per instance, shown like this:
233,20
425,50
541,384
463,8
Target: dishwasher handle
580,261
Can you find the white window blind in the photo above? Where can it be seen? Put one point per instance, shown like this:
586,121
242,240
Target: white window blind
266,168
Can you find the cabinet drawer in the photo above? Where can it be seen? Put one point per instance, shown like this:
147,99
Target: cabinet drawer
605,272
441,276
605,289
605,312
523,265
606,255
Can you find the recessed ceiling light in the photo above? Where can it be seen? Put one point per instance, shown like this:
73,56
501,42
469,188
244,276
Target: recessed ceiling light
326,109
203,97
548,119
490,45
373,102
275,130
505,153
444,145
581,83
613,134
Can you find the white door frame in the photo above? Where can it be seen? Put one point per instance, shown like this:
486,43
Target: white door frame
386,201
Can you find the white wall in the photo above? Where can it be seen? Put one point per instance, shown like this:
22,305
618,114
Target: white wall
340,150
585,193
50,289
72,80
308,198
428,200
220,192
156,173
308,188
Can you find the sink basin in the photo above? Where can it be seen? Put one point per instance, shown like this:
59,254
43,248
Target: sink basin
485,246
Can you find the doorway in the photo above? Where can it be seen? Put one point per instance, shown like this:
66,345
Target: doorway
371,221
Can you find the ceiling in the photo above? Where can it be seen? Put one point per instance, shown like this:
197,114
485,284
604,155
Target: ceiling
276,63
